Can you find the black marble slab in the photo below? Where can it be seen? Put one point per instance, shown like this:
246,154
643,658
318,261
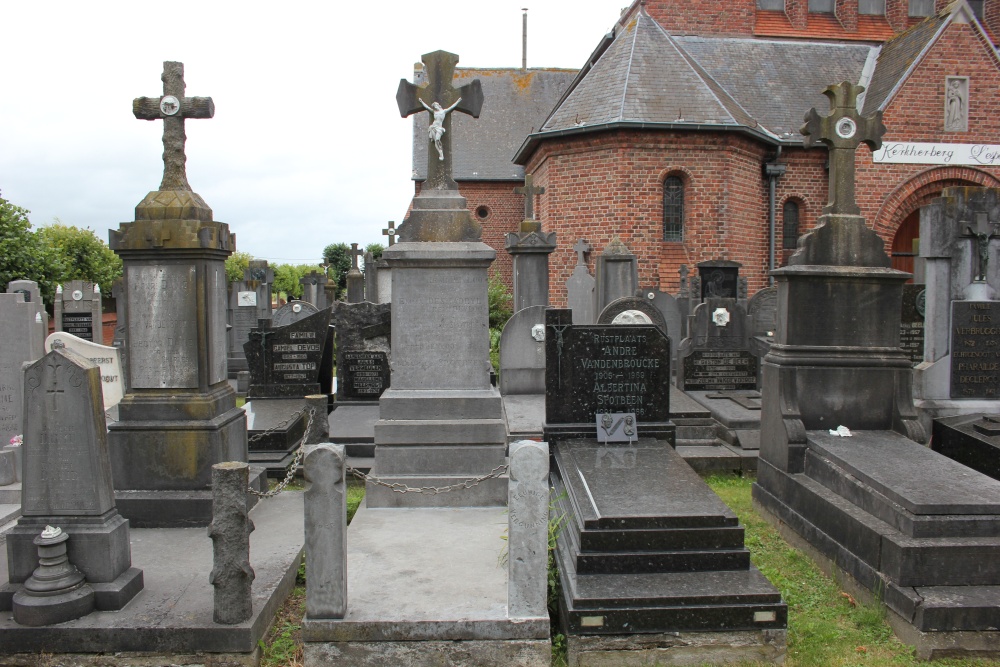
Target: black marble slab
286,361
972,440
975,349
911,325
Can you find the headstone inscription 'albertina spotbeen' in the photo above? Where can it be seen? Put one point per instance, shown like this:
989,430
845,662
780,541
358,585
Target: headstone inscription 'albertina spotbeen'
975,349
605,368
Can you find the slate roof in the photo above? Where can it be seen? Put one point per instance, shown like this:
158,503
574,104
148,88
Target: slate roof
515,104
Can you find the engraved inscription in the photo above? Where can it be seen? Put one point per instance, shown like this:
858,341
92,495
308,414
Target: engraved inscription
366,373
163,328
975,349
714,370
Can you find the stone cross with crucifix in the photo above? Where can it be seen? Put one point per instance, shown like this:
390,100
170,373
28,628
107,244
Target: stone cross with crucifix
529,191
842,131
172,108
438,96
390,231
981,233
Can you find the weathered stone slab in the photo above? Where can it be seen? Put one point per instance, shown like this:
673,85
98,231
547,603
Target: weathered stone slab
522,353
527,529
19,323
363,334
326,531
107,358
163,330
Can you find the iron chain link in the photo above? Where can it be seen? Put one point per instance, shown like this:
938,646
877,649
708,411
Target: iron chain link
296,463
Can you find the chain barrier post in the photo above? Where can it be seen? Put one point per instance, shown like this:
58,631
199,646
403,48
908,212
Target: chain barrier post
326,531
232,576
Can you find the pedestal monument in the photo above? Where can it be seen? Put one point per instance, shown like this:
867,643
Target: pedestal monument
529,248
179,416
440,421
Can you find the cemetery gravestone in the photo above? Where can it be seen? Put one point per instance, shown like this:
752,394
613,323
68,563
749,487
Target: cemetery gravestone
107,359
719,279
762,311
630,307
522,352
249,302
581,288
68,481
972,440
529,248
716,356
911,325
363,335
601,368
22,341
293,311
617,273
355,279
165,442
32,294
975,349
371,279
78,310
285,361
314,289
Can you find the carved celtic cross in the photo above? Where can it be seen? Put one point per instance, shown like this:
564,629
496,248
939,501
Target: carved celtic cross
172,108
842,132
439,68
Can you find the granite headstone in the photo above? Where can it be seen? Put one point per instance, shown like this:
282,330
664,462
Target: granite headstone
78,310
20,325
581,288
522,352
617,273
285,361
363,337
717,354
911,325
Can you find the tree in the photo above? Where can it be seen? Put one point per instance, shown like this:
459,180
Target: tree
286,279
23,255
338,256
375,249
236,264
81,255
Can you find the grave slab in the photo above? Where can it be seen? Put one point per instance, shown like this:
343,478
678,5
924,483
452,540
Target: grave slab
173,613
525,416
403,606
275,429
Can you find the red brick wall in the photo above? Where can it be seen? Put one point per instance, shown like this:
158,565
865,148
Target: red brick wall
732,17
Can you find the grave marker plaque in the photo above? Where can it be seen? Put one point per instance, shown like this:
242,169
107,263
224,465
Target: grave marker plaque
163,329
366,374
911,325
717,355
363,332
715,370
285,361
975,349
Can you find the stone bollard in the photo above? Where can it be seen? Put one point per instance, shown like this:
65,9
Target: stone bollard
326,531
230,531
320,431
527,529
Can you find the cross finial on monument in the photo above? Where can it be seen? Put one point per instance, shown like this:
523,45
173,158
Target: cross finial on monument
981,232
172,107
529,191
438,96
355,253
581,248
390,231
842,131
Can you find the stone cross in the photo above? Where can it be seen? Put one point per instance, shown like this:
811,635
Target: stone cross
355,254
842,131
172,107
440,70
581,248
529,191
390,231
982,233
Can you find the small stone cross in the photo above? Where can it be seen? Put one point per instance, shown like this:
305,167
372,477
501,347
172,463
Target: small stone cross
529,191
842,131
51,392
355,254
390,231
982,233
440,70
172,107
581,248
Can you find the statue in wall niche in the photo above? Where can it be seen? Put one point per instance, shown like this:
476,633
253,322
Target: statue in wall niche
436,129
955,106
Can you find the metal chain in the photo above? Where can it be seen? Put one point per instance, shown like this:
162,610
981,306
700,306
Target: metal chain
296,460
399,487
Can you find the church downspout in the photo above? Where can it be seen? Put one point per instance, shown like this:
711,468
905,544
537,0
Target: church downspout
773,170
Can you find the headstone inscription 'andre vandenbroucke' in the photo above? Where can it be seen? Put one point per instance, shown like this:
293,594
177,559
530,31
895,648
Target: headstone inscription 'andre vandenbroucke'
609,368
975,349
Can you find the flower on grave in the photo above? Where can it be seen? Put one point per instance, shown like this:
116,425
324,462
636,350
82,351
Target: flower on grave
17,441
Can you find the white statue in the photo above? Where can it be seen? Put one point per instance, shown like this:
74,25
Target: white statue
436,129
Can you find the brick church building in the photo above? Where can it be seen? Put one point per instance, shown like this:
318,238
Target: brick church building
680,134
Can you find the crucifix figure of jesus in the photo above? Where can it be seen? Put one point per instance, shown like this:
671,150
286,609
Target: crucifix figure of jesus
172,108
438,96
981,232
843,131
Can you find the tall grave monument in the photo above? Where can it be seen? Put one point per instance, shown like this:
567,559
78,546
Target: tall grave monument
179,416
960,235
919,530
529,248
78,310
441,420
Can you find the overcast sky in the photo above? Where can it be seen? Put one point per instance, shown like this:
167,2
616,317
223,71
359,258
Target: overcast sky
306,147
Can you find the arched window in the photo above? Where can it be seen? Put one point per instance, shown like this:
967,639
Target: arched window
673,209
790,225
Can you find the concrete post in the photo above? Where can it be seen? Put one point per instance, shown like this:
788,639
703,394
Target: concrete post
320,431
527,534
326,531
230,531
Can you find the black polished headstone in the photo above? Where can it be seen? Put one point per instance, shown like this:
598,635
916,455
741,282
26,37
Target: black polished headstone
363,334
605,368
285,362
365,372
975,349
911,325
